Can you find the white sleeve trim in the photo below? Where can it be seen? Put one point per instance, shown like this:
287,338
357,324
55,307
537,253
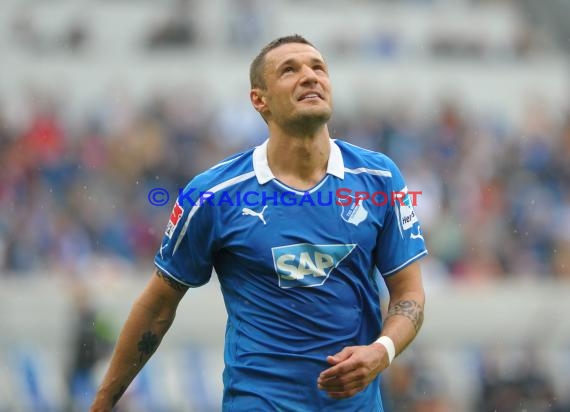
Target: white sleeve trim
406,263
174,277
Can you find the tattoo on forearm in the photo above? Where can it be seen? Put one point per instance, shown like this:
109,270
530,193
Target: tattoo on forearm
171,282
118,395
410,309
148,344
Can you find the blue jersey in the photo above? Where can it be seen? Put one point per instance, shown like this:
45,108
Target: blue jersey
296,268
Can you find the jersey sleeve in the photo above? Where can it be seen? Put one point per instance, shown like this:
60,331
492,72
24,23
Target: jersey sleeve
400,241
186,250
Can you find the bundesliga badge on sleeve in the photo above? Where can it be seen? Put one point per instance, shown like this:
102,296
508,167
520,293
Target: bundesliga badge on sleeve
175,216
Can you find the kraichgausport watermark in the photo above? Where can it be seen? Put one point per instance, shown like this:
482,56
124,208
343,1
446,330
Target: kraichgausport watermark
341,197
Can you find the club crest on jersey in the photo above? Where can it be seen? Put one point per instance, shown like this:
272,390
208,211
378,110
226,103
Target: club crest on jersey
354,213
307,265
175,216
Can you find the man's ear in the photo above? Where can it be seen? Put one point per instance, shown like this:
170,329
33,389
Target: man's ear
258,100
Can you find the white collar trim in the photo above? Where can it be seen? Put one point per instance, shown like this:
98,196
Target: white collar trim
263,173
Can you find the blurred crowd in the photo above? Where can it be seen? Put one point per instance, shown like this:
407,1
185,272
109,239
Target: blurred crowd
495,196
494,201
74,185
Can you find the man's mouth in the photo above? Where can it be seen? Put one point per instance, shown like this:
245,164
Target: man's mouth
310,95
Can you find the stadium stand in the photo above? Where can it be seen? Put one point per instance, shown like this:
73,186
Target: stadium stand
99,99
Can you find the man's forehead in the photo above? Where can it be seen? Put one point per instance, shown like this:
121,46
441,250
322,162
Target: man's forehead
296,51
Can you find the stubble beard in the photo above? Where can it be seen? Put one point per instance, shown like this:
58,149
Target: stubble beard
306,123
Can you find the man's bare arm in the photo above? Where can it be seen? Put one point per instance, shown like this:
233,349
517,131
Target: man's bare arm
406,309
354,367
150,317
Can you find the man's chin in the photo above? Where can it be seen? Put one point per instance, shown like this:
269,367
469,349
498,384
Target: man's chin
315,115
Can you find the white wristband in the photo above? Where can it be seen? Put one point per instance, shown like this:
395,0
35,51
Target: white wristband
389,345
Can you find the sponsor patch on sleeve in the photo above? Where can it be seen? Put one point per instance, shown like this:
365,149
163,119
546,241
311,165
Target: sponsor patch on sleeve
175,216
407,214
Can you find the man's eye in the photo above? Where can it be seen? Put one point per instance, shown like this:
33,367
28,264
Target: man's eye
287,69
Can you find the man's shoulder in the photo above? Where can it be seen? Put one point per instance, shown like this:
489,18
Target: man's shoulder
228,171
356,157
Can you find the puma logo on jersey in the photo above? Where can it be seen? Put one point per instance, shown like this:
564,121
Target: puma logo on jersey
247,211
307,265
416,235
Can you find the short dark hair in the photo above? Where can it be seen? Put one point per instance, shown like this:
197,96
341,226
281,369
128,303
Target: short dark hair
256,77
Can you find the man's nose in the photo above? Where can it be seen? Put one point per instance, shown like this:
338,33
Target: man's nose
309,75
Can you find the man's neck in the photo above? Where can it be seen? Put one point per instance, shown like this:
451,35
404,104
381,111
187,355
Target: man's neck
299,161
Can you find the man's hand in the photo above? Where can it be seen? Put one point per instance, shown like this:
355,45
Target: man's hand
353,369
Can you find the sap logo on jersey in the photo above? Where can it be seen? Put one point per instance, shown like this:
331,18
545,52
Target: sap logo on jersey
307,265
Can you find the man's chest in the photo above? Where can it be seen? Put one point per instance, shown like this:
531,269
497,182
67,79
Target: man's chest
300,241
